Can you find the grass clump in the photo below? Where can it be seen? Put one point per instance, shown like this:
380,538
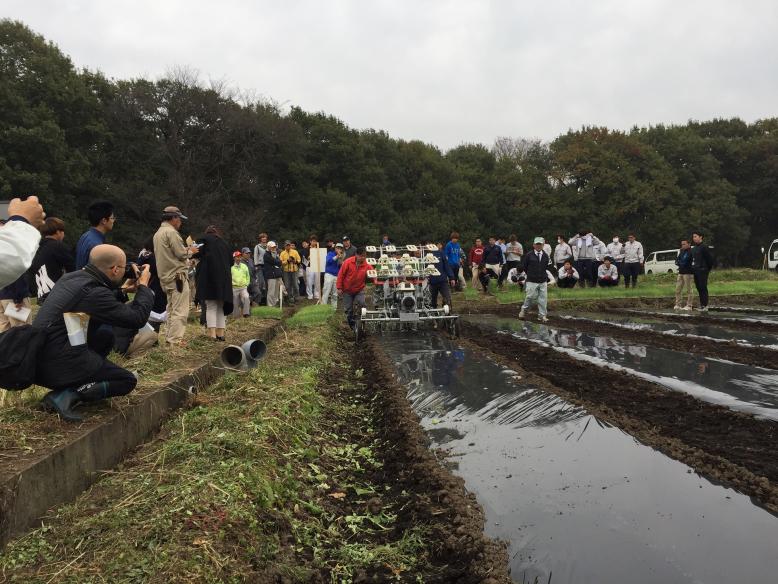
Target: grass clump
267,312
311,315
257,481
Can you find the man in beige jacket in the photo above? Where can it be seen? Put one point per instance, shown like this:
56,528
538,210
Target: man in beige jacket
172,254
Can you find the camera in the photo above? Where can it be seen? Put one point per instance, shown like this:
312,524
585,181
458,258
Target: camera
131,271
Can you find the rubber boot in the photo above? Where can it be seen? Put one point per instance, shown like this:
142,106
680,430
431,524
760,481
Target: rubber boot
62,402
92,392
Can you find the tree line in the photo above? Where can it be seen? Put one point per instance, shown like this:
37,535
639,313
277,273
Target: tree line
73,136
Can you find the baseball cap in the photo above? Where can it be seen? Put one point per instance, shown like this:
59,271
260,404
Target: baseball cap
236,254
539,240
172,212
338,245
271,244
288,242
245,250
346,238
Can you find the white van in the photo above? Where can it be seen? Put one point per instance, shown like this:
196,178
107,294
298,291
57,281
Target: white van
662,262
772,255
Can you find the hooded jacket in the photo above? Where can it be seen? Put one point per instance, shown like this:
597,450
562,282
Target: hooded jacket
89,291
444,267
584,246
52,261
351,278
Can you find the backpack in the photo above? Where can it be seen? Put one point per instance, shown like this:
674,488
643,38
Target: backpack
19,348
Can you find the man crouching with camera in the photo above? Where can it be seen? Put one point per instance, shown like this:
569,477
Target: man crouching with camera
78,316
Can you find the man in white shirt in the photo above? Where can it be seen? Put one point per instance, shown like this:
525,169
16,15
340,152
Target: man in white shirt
19,238
568,275
633,259
607,274
616,252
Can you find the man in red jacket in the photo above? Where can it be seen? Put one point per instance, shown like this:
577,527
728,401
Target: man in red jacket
475,256
351,283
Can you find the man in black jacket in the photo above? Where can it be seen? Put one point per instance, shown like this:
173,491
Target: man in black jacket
702,264
535,265
80,372
53,259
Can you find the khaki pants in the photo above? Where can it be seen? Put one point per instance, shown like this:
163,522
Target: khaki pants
142,341
6,322
273,291
681,281
177,311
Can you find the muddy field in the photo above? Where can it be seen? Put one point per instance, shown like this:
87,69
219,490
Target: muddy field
614,427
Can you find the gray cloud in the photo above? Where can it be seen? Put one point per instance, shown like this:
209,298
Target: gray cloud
446,72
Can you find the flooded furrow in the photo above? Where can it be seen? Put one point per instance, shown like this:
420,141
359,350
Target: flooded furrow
577,499
767,319
741,387
691,328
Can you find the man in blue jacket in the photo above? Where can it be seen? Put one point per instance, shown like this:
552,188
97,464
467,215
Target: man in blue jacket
102,219
441,284
685,276
454,254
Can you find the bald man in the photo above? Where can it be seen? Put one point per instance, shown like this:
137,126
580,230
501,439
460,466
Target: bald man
81,373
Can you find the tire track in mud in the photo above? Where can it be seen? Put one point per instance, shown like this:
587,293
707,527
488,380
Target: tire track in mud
440,498
728,447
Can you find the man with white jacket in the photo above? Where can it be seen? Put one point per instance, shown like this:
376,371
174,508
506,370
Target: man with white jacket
633,259
584,243
616,252
19,238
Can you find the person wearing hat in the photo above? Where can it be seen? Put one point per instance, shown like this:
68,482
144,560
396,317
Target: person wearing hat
259,260
172,256
271,269
349,251
535,265
290,263
241,278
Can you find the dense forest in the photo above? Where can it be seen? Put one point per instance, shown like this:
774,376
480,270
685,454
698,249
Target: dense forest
74,136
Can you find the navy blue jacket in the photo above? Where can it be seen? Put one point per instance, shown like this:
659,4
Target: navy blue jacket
446,273
535,267
492,254
684,261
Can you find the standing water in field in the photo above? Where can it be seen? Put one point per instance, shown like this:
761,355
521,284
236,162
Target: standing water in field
578,501
692,328
740,387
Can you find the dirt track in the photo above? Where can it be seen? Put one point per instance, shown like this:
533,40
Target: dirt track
735,449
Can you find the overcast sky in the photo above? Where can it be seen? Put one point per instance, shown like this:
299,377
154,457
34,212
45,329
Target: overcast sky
445,72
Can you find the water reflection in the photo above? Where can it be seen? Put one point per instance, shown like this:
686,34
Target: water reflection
690,328
578,500
743,387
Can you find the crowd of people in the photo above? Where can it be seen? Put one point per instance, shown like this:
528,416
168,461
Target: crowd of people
93,300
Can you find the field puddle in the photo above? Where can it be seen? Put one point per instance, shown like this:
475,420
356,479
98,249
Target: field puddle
577,500
712,313
681,329
740,387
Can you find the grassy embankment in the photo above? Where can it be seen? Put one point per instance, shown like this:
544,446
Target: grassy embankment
262,479
24,427
722,283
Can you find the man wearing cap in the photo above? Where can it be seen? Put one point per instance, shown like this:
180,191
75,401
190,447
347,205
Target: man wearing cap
290,263
259,259
172,256
349,251
253,287
535,265
271,269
